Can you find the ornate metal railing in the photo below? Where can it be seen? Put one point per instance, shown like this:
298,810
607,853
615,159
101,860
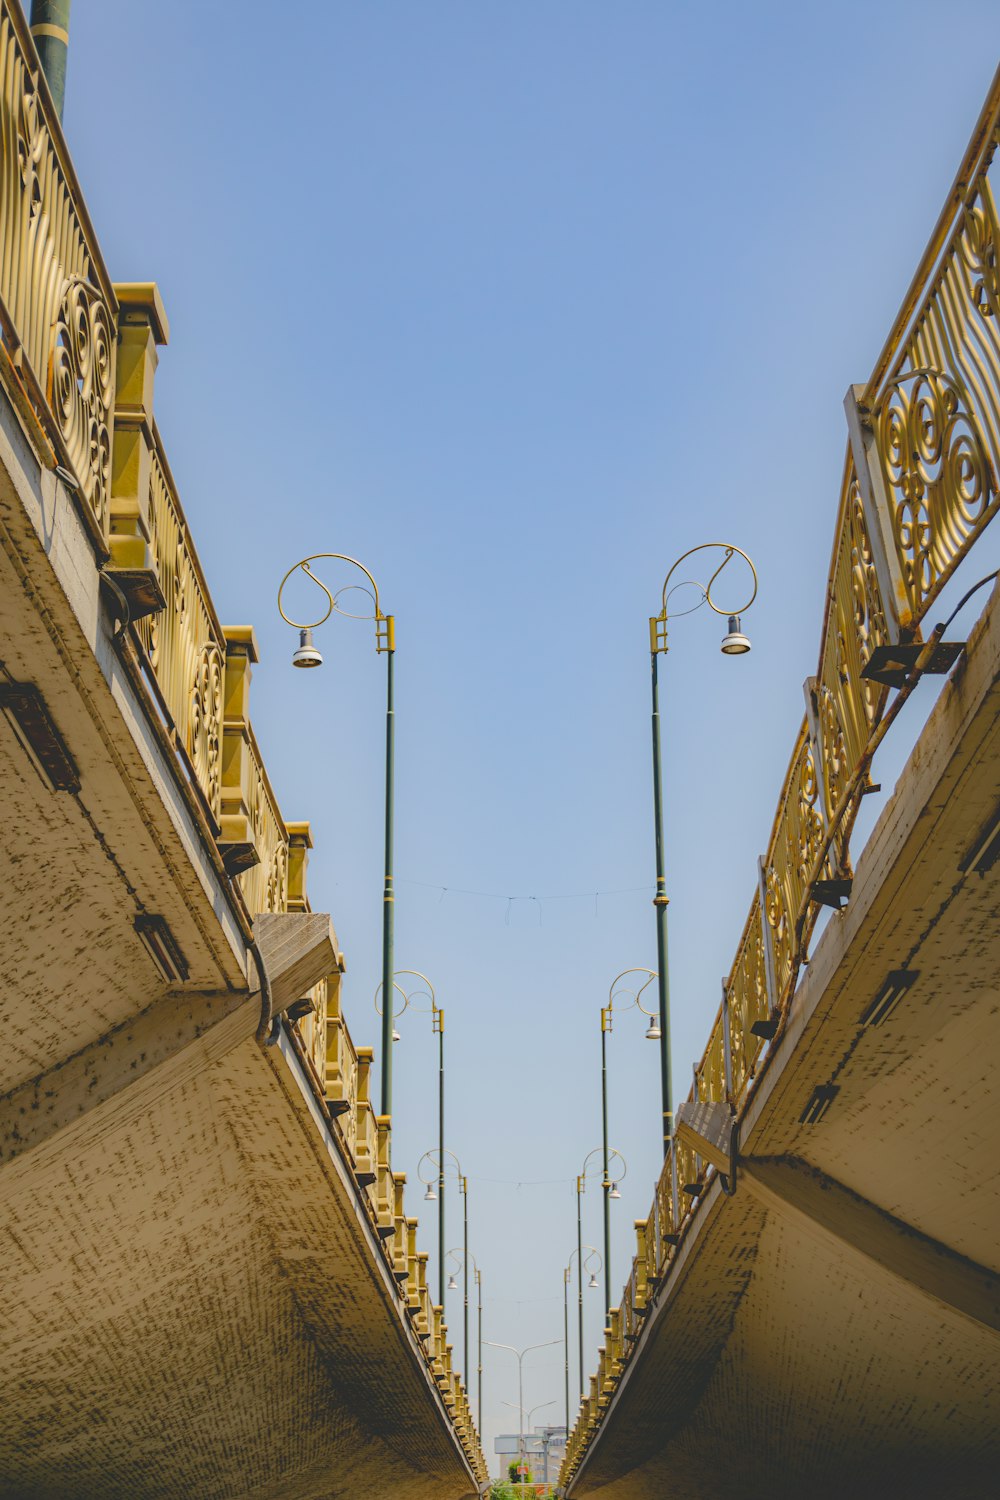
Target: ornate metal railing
918,489
185,644
58,312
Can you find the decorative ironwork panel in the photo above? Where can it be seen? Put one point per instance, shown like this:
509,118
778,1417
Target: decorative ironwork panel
796,842
936,408
847,705
687,1173
748,1002
664,1215
57,307
265,886
711,1071
184,645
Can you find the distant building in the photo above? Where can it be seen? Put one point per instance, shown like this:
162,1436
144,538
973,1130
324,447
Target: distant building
544,1449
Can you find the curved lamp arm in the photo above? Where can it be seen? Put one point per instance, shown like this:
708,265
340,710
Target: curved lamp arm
434,1156
589,1252
730,551
331,598
458,1257
581,1181
410,995
617,988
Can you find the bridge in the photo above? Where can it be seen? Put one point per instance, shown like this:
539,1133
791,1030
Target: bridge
213,1285
814,1303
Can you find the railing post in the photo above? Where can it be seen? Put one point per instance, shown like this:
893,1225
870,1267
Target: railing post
642,1273
238,839
142,327
879,510
767,938
299,844
727,1045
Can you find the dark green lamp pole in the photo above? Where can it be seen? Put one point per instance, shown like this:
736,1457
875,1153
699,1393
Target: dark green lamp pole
610,1187
591,1254
50,33
308,656
735,643
437,1026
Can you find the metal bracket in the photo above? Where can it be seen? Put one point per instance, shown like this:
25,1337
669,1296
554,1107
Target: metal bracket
658,634
385,633
835,893
892,665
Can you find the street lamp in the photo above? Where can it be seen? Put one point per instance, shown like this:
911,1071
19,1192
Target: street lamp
610,1190
442,1153
308,656
618,988
527,1423
592,1253
519,1355
466,1255
734,643
424,987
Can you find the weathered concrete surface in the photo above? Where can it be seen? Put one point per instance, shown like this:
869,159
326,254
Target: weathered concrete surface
835,1327
194,1305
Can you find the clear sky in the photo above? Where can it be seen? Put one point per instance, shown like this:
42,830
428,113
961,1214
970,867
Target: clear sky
516,302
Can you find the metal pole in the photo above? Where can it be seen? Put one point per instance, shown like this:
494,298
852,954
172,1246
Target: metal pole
660,903
50,33
520,1414
388,900
465,1275
441,1226
566,1340
579,1279
607,1180
479,1367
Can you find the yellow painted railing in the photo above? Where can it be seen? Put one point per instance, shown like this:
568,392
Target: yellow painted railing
58,313
919,487
185,644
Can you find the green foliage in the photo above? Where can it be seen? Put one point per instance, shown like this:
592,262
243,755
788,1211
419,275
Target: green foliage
516,1478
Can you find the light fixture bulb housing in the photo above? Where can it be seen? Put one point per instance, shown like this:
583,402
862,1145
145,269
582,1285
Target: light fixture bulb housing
395,1035
592,1283
654,1033
452,1284
306,655
735,643
430,1195
614,1193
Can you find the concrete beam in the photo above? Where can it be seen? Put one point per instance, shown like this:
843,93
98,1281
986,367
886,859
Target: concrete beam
196,1029
791,1187
299,949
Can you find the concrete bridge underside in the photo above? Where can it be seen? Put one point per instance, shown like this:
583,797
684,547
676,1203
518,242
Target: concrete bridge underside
834,1328
194,1300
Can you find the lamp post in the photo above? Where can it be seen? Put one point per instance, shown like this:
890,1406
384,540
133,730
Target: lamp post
308,656
437,1027
734,643
465,1256
610,1187
541,1405
592,1253
479,1355
442,1153
652,1035
519,1356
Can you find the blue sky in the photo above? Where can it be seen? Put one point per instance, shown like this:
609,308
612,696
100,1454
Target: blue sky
516,302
